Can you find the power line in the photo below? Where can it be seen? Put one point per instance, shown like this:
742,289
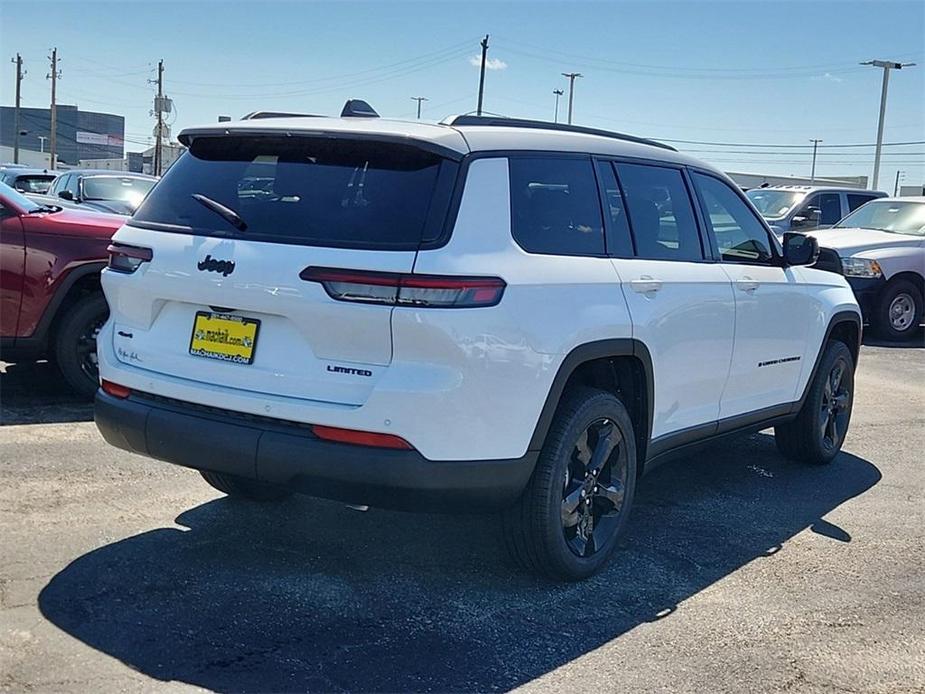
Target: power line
380,68
676,68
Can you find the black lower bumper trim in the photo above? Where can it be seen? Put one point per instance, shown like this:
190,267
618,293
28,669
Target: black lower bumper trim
289,454
867,292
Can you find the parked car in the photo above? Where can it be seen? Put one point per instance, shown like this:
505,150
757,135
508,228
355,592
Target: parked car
51,303
116,192
480,314
882,250
801,208
27,180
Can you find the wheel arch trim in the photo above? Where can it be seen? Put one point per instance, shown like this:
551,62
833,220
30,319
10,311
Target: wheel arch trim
591,351
839,318
43,329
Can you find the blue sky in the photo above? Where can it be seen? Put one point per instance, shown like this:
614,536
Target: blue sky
744,73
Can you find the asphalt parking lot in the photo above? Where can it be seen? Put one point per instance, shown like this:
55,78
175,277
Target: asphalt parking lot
740,572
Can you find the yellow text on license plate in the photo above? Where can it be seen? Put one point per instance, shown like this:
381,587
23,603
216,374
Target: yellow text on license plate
224,336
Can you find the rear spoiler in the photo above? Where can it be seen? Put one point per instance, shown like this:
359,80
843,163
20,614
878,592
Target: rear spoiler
188,136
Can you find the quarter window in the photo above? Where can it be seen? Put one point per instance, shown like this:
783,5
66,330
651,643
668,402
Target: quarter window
660,213
555,207
738,233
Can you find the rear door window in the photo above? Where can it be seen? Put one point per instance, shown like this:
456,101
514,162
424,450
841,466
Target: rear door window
305,190
855,200
660,213
555,206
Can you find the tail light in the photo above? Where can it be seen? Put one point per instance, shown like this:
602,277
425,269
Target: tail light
126,259
397,289
114,389
360,438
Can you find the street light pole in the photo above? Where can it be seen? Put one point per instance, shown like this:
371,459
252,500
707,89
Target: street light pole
812,175
886,65
558,93
571,91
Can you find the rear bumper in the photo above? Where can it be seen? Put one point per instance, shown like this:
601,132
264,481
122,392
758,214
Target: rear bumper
866,290
289,454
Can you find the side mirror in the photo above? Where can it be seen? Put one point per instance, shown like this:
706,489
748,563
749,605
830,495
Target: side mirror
800,249
65,195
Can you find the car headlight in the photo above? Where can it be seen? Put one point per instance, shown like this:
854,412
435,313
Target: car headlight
861,267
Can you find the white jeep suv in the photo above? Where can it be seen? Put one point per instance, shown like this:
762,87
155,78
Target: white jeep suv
478,314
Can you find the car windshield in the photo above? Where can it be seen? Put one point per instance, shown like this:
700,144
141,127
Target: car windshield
894,216
304,190
126,188
18,199
774,204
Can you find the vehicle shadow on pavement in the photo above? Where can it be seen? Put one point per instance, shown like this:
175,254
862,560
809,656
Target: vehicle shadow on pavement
35,393
310,595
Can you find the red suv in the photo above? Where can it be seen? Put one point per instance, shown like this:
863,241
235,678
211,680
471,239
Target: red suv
51,304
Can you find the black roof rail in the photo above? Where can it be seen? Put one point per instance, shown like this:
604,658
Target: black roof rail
545,125
256,115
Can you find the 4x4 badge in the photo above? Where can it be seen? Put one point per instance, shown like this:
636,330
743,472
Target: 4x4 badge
210,264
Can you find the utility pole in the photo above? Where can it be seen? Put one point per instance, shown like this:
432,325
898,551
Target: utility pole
896,185
419,99
571,91
53,76
484,42
19,74
558,93
812,176
158,106
886,65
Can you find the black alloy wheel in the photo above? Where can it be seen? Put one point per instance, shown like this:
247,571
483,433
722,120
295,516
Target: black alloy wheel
834,409
594,488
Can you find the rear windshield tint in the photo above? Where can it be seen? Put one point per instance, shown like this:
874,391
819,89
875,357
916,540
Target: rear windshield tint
305,190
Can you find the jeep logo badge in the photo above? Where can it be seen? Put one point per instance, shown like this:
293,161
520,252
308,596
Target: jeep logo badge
210,264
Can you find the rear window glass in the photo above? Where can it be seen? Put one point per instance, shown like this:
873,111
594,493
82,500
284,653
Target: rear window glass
305,190
33,184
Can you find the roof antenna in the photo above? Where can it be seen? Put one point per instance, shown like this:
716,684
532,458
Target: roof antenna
357,108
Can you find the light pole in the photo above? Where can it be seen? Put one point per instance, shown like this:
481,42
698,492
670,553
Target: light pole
571,91
558,93
886,65
812,175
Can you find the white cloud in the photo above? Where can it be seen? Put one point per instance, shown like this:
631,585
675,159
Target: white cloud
490,64
828,77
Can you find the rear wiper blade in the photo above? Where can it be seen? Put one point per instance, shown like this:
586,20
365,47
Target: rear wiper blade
226,213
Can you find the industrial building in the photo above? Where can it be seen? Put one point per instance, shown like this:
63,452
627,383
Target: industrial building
80,134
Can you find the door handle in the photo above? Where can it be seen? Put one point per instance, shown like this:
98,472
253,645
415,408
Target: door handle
646,285
747,284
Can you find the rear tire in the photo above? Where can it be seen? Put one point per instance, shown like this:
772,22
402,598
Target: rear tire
898,311
244,488
75,344
568,520
816,435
